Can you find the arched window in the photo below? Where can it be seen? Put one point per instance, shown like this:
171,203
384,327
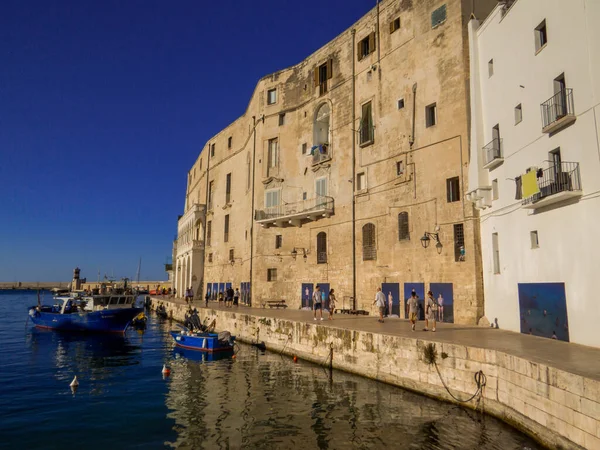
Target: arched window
403,233
198,230
369,245
322,248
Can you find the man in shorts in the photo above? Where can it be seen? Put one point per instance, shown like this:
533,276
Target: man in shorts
413,309
380,301
317,302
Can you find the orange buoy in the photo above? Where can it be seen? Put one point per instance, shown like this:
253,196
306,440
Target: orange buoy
233,357
166,371
295,358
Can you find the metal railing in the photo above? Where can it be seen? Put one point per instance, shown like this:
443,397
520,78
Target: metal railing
321,257
320,156
558,106
492,151
367,134
319,203
557,178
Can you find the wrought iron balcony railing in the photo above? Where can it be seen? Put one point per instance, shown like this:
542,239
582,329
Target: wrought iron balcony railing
492,153
317,205
562,179
558,111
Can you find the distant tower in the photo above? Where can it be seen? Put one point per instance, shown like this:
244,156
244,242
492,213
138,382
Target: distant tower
76,284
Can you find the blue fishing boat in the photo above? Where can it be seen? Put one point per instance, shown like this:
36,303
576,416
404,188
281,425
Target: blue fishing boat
109,312
204,341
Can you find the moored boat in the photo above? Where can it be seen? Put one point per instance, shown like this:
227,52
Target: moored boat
110,312
203,341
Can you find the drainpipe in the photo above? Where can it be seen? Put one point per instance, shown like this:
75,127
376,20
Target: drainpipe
201,290
354,170
378,42
411,141
252,209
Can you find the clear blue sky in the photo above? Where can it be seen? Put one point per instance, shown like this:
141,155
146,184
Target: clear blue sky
104,106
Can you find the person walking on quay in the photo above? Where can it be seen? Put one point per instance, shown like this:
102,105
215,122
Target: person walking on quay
331,304
430,311
220,298
380,302
207,297
317,302
229,301
413,308
174,293
236,297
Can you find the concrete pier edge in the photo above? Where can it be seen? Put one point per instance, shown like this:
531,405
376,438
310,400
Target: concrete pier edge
556,408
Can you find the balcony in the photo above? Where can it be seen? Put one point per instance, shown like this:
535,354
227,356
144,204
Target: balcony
558,111
295,214
558,184
320,153
492,154
168,267
184,245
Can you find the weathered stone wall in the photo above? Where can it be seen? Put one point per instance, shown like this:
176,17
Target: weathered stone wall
559,409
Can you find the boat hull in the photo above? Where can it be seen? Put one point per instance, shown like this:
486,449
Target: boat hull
104,321
202,342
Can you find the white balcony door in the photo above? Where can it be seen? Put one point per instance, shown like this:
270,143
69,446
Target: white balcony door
321,190
272,201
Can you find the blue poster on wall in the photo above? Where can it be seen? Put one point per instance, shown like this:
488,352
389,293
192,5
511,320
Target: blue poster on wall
420,290
392,294
444,294
543,309
215,291
306,295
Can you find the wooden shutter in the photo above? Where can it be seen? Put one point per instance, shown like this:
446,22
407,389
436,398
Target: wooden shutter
392,28
329,68
316,76
372,42
358,50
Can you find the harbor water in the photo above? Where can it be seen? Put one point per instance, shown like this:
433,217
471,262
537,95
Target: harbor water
256,400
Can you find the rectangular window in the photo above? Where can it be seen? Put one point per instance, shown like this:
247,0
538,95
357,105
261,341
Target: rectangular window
366,125
278,241
518,114
212,150
271,274
401,103
304,147
459,242
281,119
228,189
366,46
452,189
541,36
430,115
210,257
496,252
399,168
231,255
226,229
533,235
272,198
395,25
438,16
229,142
361,181
208,232
271,96
200,167
210,195
490,67
321,187
321,74
273,154
304,197
495,189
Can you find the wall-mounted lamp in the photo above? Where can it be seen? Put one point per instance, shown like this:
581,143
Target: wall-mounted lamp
427,238
304,252
232,261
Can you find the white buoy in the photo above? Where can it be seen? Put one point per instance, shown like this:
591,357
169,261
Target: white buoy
74,383
166,370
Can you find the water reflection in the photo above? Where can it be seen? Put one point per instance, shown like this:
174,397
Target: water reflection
263,400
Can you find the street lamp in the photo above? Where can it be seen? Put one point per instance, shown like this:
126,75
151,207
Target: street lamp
304,253
426,239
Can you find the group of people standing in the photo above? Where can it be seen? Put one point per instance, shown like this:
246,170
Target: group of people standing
432,307
319,297
230,297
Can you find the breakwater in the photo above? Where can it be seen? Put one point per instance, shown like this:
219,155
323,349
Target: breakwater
556,407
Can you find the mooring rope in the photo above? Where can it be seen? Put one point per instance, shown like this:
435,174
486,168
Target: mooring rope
480,382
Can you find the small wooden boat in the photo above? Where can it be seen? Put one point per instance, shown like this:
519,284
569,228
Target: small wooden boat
203,341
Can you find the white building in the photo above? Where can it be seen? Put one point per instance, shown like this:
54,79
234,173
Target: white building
188,250
535,87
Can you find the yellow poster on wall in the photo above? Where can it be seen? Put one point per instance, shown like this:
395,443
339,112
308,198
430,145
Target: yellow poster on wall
530,184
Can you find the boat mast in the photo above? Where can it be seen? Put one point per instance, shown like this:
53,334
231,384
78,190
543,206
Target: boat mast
138,271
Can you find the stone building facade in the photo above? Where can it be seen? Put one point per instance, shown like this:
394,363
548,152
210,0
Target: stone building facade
343,169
